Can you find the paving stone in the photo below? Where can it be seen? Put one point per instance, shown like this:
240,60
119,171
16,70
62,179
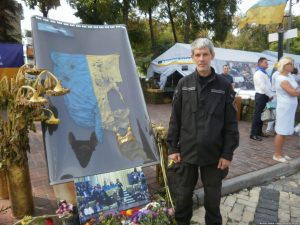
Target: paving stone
284,217
254,198
236,213
250,209
269,194
230,200
255,191
294,190
265,205
244,197
266,211
246,203
295,212
226,208
262,219
268,202
247,216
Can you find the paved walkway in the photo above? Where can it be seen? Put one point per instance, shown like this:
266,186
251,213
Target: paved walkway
274,203
250,156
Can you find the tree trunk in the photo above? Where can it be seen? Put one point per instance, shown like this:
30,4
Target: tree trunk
3,185
44,10
125,12
19,187
151,30
171,20
188,21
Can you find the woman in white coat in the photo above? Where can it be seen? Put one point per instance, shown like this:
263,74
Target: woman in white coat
287,91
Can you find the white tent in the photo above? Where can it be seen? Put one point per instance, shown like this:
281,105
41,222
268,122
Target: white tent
178,58
295,57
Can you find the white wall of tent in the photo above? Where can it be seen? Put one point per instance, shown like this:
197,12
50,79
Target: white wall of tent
177,62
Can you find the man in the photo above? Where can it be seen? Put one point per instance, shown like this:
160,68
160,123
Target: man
227,76
203,133
263,94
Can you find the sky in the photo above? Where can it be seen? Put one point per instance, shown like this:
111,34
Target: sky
66,14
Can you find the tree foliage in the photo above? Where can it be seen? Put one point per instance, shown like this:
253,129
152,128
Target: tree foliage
8,16
43,5
98,11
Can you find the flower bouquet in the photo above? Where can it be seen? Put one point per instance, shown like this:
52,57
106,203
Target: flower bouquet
66,213
154,213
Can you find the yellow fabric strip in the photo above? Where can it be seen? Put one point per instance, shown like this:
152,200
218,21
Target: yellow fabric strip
9,72
263,15
174,63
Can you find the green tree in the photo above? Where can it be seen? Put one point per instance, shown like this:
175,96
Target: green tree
251,38
169,4
126,6
43,5
217,16
98,11
213,17
147,7
8,17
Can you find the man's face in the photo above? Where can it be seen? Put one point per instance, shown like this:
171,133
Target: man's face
264,64
202,58
225,70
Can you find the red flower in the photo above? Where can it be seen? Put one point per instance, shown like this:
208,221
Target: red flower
48,221
123,213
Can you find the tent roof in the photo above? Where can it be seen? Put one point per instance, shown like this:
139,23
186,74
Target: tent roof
275,54
183,52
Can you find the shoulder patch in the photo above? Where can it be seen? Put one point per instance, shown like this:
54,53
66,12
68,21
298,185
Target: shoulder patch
217,91
188,88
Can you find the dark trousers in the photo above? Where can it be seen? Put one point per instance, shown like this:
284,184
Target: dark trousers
186,178
260,103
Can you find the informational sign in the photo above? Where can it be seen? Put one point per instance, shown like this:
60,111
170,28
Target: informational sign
104,122
287,35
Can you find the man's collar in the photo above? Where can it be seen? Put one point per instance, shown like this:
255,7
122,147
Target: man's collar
212,75
261,69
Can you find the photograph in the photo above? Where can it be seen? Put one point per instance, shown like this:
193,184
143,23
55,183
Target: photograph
114,191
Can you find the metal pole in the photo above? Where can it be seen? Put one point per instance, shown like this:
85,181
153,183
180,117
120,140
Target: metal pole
280,41
288,42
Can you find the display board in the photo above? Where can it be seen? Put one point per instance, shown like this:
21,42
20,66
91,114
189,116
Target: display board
104,122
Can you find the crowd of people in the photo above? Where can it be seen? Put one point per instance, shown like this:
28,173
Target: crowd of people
280,92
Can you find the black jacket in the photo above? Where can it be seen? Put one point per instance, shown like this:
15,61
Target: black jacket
203,125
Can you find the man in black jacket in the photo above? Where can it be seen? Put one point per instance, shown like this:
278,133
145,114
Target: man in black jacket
203,132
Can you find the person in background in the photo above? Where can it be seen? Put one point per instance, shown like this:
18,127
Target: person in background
227,75
296,75
270,130
287,91
263,94
203,133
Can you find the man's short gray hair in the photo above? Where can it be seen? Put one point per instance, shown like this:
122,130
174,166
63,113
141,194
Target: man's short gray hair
203,43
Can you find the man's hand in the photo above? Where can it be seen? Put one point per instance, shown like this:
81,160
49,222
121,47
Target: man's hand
175,157
223,163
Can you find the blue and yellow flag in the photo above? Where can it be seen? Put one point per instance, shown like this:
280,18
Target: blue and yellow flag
264,12
11,58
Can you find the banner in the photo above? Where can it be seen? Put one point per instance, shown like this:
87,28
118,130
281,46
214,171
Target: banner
104,125
264,12
11,58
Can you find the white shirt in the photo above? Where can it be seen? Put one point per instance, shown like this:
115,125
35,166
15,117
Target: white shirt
274,78
262,83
